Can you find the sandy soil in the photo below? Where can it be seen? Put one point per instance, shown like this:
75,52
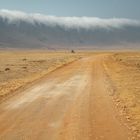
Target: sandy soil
19,68
93,98
124,71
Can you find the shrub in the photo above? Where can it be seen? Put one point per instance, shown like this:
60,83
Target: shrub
72,51
7,69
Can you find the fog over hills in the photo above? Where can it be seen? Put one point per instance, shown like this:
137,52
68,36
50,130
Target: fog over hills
22,30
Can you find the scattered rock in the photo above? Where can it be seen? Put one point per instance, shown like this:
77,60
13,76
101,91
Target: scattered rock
117,100
133,128
127,117
133,138
124,107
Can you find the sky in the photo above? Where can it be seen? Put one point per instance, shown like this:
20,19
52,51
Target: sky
89,8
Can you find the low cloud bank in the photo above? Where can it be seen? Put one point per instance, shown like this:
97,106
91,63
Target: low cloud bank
68,22
67,30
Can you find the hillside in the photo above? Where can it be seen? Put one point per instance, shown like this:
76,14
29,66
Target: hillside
22,30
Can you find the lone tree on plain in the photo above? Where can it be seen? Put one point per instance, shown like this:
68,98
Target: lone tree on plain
72,51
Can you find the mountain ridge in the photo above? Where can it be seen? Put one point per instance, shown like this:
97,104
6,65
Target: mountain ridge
22,30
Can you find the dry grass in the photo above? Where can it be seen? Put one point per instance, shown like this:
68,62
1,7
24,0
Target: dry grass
124,70
18,68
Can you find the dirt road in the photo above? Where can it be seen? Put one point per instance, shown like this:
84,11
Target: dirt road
72,103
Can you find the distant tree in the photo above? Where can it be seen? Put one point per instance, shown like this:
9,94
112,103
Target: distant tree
72,51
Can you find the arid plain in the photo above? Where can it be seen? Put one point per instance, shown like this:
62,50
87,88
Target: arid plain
19,68
69,96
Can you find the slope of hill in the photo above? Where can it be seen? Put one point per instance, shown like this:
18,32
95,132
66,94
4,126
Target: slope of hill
22,30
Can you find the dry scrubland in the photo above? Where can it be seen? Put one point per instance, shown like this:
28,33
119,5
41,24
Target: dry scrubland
19,68
124,72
